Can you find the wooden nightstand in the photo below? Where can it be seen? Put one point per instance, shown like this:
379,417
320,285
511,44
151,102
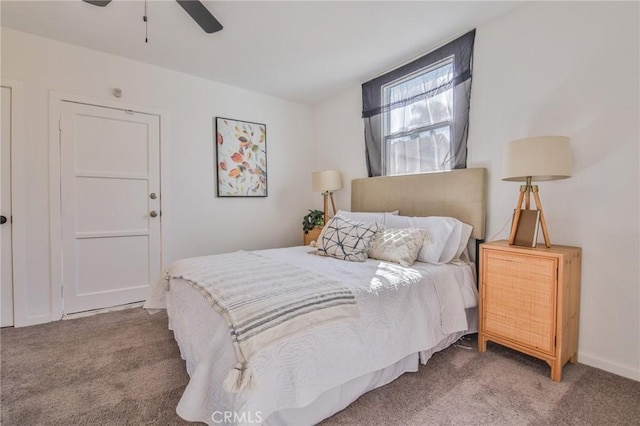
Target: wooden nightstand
311,236
530,301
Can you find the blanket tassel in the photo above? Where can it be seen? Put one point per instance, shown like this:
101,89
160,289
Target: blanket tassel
238,379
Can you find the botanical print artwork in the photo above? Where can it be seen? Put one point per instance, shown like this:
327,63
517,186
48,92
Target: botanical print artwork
241,153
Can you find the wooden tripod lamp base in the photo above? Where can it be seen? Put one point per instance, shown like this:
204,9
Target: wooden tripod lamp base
326,195
525,195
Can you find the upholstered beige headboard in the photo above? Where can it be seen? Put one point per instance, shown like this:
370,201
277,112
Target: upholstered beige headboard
458,193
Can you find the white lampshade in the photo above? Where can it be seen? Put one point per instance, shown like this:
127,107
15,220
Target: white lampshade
326,180
541,158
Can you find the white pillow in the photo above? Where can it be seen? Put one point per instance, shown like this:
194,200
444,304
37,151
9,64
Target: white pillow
457,242
377,217
398,245
347,240
446,239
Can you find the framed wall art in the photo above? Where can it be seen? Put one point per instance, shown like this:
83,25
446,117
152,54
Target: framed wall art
241,158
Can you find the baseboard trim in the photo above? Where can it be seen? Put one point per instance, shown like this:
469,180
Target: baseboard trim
29,321
103,310
611,367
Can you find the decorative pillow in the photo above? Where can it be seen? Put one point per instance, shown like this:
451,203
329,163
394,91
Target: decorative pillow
398,245
447,237
377,217
347,240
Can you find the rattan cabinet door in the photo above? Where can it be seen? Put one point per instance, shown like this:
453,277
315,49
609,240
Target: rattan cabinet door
519,292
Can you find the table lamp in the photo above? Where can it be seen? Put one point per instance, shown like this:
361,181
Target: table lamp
539,158
326,181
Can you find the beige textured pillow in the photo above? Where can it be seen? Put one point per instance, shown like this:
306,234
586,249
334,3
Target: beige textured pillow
398,245
447,237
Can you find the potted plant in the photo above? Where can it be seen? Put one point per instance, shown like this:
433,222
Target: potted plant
313,219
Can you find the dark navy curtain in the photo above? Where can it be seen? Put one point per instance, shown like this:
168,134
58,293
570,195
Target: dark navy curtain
374,106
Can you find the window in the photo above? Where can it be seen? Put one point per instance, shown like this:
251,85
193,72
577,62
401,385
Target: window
416,116
417,137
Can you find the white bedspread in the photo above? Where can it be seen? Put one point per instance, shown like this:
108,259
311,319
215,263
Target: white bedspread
263,301
402,311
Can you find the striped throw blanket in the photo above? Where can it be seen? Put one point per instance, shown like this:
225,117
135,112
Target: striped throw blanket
262,300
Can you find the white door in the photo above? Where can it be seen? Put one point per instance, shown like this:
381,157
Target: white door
6,267
110,205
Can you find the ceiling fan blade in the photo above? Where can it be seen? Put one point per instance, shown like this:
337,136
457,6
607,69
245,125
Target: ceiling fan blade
201,15
101,3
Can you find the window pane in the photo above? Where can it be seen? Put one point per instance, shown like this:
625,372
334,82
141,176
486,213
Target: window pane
422,112
426,151
441,107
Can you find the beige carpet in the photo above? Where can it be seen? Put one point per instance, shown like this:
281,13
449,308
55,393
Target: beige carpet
124,368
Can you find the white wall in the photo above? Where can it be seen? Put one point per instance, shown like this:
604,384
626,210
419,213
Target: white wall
340,144
561,68
194,221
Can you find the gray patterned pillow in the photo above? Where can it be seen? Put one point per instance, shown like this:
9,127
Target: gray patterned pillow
347,240
398,245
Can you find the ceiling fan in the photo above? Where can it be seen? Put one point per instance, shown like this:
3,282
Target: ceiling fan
194,8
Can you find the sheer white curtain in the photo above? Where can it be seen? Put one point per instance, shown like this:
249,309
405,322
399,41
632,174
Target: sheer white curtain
417,133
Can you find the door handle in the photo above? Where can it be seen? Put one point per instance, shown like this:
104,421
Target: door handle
153,213
3,220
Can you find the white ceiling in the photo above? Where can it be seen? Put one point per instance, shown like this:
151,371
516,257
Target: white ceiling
298,50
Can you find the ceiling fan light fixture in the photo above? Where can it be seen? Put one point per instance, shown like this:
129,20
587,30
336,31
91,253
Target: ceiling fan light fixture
194,8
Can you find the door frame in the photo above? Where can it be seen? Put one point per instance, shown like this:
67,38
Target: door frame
55,208
18,209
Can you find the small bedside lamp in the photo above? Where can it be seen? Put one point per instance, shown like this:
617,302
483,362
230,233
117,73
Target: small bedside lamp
535,159
326,181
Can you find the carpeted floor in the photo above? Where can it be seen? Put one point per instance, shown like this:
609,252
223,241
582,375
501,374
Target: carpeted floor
124,368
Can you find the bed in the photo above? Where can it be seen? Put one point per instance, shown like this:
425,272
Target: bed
405,314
